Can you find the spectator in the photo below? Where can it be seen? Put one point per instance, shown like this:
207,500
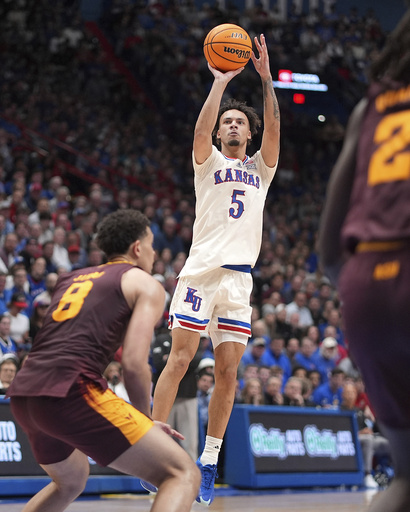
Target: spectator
50,283
206,363
292,394
329,394
45,221
60,254
113,374
250,372
168,238
20,285
252,392
315,379
371,444
298,305
19,323
74,256
292,348
36,278
7,344
334,319
40,307
307,357
8,252
95,257
300,372
327,358
8,369
275,355
264,372
283,328
273,394
254,352
48,251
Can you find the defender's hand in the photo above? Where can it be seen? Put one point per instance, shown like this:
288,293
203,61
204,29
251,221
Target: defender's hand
168,430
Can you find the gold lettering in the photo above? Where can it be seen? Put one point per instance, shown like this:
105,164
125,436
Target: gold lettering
93,275
391,98
386,270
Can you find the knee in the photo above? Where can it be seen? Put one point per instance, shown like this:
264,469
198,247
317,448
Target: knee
191,475
178,362
74,483
227,374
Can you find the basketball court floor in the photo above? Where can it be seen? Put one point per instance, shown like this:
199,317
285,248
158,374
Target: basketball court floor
228,501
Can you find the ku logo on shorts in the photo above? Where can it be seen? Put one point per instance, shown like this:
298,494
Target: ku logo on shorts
193,299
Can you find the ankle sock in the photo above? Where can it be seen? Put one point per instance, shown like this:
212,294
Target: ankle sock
211,450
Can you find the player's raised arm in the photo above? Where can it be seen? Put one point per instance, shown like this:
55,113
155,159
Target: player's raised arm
271,115
209,114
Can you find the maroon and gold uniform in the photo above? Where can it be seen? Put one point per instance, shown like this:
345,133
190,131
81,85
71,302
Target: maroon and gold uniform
61,386
379,208
374,283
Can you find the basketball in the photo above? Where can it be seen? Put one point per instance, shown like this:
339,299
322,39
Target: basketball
227,47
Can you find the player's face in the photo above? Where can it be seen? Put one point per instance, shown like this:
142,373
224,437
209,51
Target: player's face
234,128
146,251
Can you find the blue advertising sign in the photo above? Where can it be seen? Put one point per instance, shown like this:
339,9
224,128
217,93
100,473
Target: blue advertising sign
292,447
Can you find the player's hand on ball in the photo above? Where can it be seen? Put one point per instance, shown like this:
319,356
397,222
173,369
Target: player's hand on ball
228,75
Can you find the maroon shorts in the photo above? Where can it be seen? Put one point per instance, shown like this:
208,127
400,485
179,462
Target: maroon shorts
94,421
375,292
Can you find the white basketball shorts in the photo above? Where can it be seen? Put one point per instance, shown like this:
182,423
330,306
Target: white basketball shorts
216,303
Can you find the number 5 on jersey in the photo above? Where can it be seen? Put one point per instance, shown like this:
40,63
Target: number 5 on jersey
240,207
72,301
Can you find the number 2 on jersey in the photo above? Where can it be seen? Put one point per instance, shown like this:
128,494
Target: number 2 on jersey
72,301
391,160
236,213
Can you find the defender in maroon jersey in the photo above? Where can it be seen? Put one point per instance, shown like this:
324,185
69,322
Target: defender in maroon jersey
365,248
60,397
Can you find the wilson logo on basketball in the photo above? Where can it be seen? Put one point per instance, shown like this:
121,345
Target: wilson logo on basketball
241,54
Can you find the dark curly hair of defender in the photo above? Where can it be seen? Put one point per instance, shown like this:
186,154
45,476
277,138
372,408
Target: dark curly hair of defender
394,60
119,230
250,113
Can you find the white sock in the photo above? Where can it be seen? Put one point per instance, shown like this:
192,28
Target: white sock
211,451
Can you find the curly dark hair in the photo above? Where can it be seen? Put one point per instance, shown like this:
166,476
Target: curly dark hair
119,230
250,113
394,60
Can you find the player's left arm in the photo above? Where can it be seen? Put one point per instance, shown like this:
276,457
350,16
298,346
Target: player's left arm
149,299
271,114
338,195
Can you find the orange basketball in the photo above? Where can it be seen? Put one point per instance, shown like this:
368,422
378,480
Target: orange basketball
227,47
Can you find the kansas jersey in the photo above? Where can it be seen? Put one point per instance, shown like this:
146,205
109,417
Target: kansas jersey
230,198
379,207
84,326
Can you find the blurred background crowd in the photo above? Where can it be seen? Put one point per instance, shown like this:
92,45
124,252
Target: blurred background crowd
97,113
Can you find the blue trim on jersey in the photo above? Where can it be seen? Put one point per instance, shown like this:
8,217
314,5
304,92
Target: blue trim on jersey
233,322
192,319
233,159
239,268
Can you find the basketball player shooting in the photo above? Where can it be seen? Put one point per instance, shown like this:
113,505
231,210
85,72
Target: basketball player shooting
215,284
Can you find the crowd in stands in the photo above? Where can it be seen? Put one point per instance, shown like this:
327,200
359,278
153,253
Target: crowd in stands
123,95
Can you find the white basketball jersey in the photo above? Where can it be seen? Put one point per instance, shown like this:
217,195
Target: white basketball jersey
230,198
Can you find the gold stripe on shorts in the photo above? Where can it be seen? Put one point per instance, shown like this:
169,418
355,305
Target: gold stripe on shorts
132,423
381,246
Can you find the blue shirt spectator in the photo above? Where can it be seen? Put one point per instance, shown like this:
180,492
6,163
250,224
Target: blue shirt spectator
274,355
329,394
